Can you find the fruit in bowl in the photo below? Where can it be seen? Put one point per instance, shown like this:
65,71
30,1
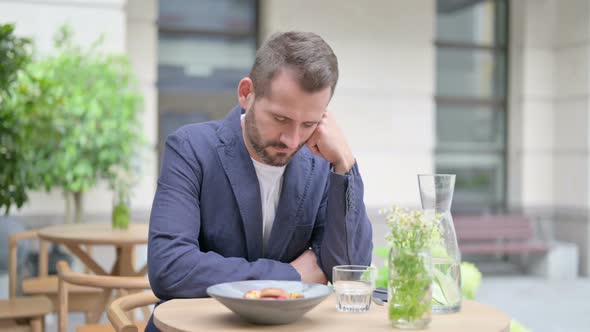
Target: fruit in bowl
273,293
252,294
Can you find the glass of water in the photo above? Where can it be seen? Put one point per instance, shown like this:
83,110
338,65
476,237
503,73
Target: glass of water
354,286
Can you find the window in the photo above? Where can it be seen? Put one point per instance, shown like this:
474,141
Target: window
204,48
471,85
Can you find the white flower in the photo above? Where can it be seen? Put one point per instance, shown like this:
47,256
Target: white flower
410,228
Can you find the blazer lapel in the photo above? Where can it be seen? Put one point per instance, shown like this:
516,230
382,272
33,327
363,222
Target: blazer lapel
295,184
241,174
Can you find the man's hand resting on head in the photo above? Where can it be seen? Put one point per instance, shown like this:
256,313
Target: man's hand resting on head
307,266
328,142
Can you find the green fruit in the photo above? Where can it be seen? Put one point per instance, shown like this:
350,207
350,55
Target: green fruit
470,280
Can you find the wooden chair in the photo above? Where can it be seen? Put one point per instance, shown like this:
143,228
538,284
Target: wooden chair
117,312
24,313
106,284
82,299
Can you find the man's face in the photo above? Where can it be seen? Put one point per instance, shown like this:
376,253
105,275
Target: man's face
277,125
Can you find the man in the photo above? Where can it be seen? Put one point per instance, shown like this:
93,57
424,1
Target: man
270,192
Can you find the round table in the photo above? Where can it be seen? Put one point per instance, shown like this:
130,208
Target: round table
209,315
78,237
74,236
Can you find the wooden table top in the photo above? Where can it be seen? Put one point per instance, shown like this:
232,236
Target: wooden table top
209,315
96,234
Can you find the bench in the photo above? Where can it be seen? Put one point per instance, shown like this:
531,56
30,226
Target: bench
498,235
511,235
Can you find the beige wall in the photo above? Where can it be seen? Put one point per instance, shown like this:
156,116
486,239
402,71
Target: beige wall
128,28
531,111
571,126
384,98
142,49
549,116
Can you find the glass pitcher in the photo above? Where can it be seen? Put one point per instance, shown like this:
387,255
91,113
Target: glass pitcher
436,195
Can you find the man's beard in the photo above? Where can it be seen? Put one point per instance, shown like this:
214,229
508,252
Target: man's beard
260,147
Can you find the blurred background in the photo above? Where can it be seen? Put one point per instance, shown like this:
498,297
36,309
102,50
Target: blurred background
494,91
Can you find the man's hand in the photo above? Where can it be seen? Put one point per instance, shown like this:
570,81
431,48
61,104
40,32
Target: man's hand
307,266
328,142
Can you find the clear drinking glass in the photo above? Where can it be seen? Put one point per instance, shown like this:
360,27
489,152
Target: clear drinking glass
354,286
436,195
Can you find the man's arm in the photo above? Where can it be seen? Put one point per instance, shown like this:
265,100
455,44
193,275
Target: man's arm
344,234
177,268
307,266
347,232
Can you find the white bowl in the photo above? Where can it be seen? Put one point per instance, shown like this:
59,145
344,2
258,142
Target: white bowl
269,311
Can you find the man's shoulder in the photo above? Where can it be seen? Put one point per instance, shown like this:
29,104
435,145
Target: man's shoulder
197,140
198,132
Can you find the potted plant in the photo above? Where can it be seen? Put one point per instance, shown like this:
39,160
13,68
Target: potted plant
121,181
410,267
89,105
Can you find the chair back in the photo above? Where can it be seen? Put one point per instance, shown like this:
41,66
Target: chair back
117,310
12,259
107,283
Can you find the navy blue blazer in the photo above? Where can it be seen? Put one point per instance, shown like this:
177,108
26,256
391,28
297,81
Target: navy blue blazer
206,219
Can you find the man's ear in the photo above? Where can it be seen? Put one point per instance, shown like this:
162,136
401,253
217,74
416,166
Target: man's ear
246,93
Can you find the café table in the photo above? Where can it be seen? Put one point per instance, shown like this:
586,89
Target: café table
207,314
77,238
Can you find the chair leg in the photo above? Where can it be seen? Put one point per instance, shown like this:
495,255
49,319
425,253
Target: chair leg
146,313
93,317
37,324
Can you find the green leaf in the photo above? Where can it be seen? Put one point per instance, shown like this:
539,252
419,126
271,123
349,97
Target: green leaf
382,252
382,276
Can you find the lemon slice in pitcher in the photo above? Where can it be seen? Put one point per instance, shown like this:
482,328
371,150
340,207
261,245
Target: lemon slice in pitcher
445,290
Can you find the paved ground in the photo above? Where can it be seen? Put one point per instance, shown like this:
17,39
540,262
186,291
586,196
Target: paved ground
540,305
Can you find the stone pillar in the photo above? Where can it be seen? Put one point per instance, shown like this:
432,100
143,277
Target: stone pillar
141,47
571,126
531,113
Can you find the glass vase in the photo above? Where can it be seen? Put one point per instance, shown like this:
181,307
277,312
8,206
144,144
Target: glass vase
409,288
121,217
436,195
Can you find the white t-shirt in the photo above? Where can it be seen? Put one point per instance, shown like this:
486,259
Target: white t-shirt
270,179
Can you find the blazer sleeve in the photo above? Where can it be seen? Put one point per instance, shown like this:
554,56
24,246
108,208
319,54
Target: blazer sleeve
177,268
343,232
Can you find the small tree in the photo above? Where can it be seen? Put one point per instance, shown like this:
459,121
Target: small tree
89,106
16,158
